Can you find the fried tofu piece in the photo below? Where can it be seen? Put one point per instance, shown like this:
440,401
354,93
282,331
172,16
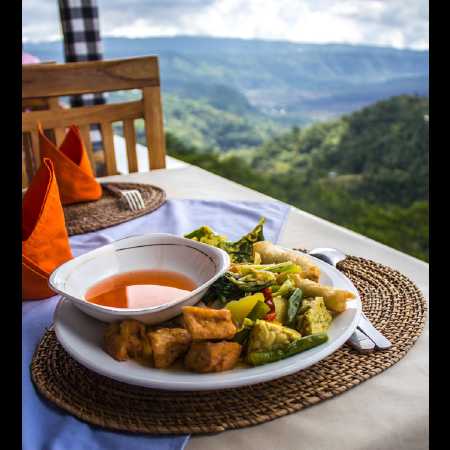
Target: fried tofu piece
134,332
168,344
208,323
207,357
126,340
115,345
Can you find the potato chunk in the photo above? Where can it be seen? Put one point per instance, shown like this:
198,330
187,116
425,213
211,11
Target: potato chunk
168,344
208,323
206,357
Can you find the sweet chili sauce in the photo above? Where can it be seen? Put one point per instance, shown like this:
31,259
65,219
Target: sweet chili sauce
140,289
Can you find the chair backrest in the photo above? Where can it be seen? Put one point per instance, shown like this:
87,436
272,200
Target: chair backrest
51,81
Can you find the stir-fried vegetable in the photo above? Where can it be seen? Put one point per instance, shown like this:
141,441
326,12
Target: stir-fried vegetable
294,303
241,308
285,289
206,235
258,358
313,316
252,282
239,251
242,250
244,332
222,291
284,267
280,309
270,336
258,312
271,315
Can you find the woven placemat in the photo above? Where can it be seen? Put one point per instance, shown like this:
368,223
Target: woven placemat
109,210
391,301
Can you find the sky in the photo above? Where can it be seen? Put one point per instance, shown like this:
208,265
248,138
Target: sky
394,23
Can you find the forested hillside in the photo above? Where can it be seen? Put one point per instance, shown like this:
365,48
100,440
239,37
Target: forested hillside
367,171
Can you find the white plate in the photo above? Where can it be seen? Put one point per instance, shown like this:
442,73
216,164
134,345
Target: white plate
81,336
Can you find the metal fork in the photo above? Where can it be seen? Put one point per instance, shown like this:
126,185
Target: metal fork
131,197
366,337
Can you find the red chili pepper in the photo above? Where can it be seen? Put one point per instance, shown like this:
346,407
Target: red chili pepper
268,300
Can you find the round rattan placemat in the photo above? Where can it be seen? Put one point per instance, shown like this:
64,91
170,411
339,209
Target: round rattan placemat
109,210
390,300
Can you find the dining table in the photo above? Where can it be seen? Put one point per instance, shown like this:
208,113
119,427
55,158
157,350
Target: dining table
389,411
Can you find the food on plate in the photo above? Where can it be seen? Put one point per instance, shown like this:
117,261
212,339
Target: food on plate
242,307
270,253
295,347
115,344
239,251
126,340
335,299
269,305
270,336
293,306
313,317
207,357
168,344
207,323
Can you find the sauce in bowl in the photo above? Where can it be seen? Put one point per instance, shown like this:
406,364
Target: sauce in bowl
140,289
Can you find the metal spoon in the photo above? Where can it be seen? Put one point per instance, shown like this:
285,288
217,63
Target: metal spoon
333,256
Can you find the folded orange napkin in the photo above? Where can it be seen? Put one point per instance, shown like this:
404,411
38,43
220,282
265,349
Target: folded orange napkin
45,243
73,170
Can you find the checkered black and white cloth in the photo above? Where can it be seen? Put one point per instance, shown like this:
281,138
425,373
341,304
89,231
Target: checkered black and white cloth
82,42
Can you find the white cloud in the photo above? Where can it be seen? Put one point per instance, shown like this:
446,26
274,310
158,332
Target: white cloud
378,22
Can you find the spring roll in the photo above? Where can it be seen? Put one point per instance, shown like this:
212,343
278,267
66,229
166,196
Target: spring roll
335,299
270,253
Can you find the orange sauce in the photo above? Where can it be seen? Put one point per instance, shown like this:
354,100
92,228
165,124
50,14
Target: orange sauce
140,289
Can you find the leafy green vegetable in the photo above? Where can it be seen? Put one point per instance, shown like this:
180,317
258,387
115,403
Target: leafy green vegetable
232,287
223,290
206,235
240,251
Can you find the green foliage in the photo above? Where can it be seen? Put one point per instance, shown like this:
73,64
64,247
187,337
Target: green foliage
367,171
209,122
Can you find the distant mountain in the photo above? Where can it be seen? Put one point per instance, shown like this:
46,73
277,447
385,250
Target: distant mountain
288,82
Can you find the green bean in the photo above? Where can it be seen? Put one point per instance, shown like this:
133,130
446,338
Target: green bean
298,346
294,304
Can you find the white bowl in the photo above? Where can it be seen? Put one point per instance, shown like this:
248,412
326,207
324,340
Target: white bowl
202,263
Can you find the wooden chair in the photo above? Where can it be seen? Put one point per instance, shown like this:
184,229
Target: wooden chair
51,81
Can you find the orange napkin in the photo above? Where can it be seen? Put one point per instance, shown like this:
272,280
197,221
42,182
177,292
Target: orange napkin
73,170
45,243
